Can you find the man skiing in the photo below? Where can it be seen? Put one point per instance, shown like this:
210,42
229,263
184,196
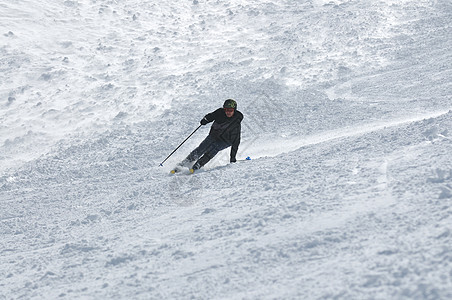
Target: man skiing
224,133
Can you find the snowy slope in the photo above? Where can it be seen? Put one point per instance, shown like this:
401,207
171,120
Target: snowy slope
348,119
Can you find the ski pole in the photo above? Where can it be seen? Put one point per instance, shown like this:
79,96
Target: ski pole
161,164
247,158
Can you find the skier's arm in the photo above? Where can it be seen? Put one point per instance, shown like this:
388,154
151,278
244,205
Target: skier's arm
210,117
236,139
235,148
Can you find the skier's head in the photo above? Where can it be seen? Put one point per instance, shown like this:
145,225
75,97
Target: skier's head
230,103
229,107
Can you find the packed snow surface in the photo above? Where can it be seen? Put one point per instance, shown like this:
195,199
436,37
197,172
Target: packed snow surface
348,123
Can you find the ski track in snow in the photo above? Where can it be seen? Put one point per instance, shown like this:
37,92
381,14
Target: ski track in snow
278,145
348,121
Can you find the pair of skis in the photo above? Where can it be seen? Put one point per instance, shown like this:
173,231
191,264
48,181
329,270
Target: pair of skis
180,170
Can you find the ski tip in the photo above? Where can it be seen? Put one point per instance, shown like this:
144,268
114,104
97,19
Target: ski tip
173,172
248,158
192,171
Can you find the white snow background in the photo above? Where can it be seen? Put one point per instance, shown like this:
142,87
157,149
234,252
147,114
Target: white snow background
348,122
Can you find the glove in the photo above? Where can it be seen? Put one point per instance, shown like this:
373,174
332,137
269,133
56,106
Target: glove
233,160
204,121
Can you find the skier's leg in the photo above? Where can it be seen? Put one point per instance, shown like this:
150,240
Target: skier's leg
198,151
202,161
216,147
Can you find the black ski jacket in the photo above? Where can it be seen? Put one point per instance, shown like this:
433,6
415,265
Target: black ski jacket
226,129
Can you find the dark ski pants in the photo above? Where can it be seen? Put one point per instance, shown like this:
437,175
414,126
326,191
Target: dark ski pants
205,152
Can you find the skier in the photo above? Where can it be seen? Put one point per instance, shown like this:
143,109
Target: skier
224,133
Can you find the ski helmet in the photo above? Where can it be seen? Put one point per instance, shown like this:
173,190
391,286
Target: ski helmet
230,103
